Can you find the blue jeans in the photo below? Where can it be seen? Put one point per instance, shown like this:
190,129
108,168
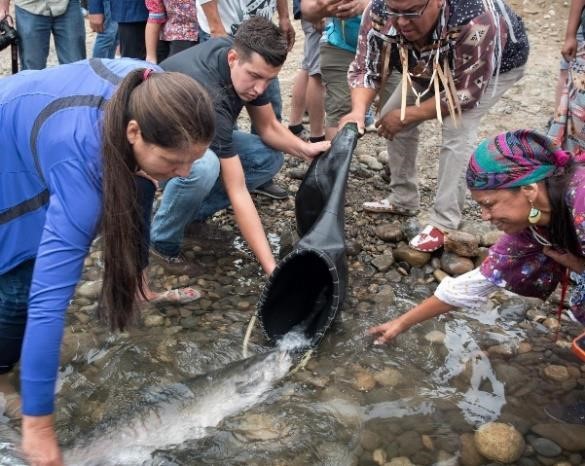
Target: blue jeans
201,194
35,32
106,41
14,289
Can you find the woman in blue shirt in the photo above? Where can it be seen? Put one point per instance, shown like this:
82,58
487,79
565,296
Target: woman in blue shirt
74,138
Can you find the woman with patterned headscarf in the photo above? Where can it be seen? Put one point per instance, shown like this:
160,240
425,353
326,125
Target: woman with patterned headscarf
534,192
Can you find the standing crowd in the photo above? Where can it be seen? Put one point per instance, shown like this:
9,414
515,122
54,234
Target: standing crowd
88,143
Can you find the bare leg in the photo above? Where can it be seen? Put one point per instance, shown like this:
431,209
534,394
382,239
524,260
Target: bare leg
297,102
316,105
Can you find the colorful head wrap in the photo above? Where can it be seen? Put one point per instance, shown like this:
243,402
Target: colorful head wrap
513,159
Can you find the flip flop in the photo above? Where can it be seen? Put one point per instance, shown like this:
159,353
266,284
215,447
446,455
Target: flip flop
177,296
385,206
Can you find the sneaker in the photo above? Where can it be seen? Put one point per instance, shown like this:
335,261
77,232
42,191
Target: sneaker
428,240
272,190
570,414
175,265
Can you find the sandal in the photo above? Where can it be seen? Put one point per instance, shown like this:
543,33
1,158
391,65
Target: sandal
385,206
428,240
177,296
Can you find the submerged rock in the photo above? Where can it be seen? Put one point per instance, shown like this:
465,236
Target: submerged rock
499,442
570,437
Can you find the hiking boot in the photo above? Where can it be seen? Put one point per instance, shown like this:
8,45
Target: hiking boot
175,265
570,414
271,190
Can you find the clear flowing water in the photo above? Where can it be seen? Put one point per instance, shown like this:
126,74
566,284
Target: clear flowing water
159,396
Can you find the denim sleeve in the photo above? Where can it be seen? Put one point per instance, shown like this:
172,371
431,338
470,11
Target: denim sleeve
95,6
71,223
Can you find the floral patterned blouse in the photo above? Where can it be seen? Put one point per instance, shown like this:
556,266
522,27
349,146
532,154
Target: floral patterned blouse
178,17
516,262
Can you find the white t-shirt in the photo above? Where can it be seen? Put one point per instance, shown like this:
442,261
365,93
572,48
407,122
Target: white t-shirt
233,12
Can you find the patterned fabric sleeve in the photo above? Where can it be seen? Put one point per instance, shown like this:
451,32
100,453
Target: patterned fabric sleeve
516,262
575,197
156,11
366,69
474,61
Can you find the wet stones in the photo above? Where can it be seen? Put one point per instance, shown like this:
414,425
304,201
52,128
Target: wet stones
461,243
556,373
384,262
411,256
499,442
390,232
388,377
435,337
469,456
90,290
456,265
544,447
570,437
385,296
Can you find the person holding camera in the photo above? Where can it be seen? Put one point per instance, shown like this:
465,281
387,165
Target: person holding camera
81,145
36,20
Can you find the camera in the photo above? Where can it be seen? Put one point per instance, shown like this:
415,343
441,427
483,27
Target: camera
8,35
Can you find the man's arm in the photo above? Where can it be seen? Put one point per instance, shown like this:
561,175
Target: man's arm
284,22
211,12
247,217
569,49
4,5
275,135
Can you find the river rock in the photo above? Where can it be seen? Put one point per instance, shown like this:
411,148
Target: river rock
411,227
469,456
363,380
461,243
370,440
456,265
427,442
379,456
388,377
411,256
383,156
504,350
90,290
352,247
154,320
261,427
499,442
490,238
556,373
385,296
440,275
391,232
399,461
409,443
570,437
436,337
544,446
383,262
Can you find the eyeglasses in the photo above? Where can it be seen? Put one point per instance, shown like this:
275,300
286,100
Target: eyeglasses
408,14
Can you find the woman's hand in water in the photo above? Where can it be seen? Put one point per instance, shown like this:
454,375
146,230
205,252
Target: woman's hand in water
39,441
387,331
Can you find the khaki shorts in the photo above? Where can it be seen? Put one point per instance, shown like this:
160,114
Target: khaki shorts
334,66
